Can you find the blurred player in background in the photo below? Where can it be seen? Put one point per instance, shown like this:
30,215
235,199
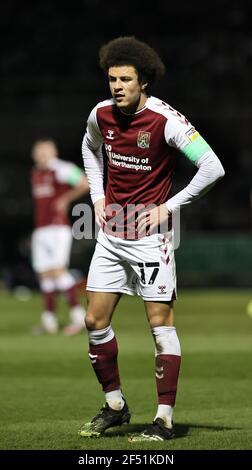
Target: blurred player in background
55,185
139,133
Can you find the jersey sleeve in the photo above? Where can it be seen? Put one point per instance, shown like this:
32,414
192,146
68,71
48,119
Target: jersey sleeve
93,157
180,133
69,173
93,135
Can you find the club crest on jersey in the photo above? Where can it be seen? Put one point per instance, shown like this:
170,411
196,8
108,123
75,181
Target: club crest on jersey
143,139
110,134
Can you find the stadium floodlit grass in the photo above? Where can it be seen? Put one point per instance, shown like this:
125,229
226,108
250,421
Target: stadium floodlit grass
48,388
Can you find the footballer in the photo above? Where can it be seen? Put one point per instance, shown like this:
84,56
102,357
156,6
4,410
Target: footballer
132,139
55,184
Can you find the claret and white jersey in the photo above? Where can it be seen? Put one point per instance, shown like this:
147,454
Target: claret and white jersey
139,158
48,185
52,237
140,163
140,155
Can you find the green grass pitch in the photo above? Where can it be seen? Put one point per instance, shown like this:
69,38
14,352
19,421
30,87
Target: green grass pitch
48,388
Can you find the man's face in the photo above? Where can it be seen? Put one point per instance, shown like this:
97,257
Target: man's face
125,87
43,152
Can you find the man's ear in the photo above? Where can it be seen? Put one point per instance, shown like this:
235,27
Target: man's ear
144,86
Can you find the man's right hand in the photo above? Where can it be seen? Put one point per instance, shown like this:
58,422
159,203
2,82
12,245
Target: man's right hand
100,216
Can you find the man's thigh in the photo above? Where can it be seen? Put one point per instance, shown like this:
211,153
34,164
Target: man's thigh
109,272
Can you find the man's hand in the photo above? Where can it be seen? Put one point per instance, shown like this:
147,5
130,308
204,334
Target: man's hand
149,220
100,216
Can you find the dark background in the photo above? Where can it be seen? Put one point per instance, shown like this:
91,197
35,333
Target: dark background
50,80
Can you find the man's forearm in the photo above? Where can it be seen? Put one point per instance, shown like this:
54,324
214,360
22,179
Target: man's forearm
78,191
209,172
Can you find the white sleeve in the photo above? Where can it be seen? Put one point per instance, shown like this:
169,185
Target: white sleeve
177,129
210,170
93,158
179,133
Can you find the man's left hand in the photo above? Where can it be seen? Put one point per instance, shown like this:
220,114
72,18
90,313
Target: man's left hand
149,220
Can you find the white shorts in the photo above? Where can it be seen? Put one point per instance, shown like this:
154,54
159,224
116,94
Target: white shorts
51,247
144,267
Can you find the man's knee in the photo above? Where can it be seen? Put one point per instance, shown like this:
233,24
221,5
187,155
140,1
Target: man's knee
100,309
97,316
159,314
91,321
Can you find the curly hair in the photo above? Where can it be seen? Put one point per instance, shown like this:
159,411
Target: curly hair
130,51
